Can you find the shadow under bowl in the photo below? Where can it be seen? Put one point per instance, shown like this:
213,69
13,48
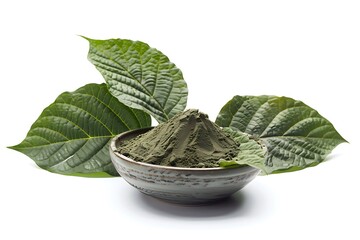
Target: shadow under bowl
175,184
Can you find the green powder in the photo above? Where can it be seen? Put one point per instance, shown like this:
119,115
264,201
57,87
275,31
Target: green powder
189,139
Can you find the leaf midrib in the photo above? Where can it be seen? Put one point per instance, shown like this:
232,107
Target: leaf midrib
63,142
297,137
84,161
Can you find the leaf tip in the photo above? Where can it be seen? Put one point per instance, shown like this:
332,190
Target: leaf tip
344,140
15,147
86,38
341,139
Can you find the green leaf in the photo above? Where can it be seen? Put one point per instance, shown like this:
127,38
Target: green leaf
139,76
71,136
295,135
251,152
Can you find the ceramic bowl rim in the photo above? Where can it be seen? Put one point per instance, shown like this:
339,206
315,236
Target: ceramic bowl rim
120,156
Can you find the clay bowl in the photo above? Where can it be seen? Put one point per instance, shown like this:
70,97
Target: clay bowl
175,184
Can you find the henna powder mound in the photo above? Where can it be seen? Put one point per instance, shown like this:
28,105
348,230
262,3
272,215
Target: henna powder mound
189,139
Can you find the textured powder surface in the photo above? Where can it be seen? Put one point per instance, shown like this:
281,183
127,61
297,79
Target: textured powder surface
189,139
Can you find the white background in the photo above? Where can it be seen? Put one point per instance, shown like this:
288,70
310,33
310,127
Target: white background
308,50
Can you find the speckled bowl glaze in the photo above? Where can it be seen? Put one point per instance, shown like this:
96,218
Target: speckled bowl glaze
179,185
